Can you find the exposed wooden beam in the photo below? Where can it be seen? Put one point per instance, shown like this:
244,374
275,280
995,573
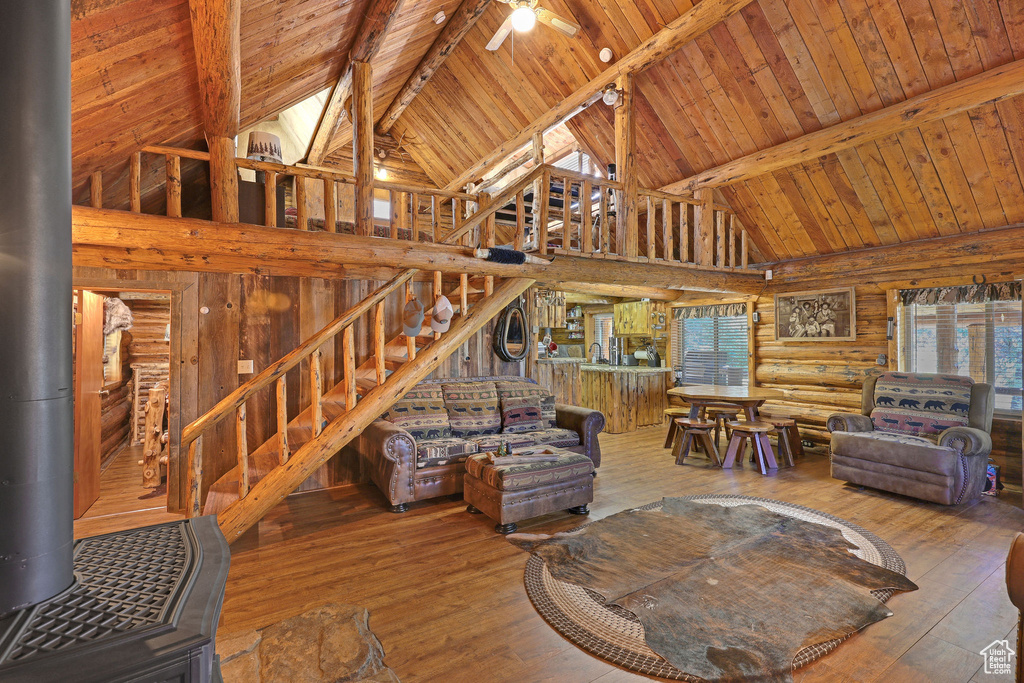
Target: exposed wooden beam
215,35
365,45
120,239
459,24
618,291
666,41
990,86
362,144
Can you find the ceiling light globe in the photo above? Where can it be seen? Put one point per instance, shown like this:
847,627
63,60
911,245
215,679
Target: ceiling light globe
523,19
610,97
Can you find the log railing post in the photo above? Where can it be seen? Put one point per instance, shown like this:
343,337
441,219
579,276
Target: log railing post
489,230
410,342
437,293
586,224
349,366
541,216
732,241
414,223
135,182
173,186
604,239
282,419
270,199
743,249
684,232
301,210
566,213
666,229
704,228
330,206
463,295
193,496
378,343
242,454
720,237
316,392
519,239
435,218
651,218
96,189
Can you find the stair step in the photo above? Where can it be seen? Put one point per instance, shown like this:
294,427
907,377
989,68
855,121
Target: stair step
365,386
393,361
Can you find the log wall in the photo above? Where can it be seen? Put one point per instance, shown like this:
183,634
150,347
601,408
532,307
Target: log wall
822,377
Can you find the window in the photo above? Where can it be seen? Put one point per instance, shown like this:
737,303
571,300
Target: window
979,340
382,209
711,350
578,162
602,333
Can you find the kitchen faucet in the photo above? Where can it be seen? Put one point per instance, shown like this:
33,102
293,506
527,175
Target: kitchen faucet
596,357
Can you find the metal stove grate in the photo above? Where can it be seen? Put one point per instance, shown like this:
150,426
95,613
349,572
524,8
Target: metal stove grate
123,582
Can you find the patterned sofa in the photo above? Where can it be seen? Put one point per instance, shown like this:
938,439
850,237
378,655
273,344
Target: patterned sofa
920,435
418,448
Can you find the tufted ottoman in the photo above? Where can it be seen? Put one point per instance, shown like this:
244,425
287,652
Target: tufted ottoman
511,493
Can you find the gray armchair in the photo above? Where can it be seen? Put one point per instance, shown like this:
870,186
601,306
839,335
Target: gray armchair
922,435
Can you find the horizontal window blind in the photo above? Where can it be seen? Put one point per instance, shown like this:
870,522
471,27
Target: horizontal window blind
711,350
978,340
579,163
602,333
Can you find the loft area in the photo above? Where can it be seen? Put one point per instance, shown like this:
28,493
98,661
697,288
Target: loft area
329,263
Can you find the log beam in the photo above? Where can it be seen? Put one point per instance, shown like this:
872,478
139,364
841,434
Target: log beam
365,45
215,35
464,18
627,226
987,87
693,23
120,239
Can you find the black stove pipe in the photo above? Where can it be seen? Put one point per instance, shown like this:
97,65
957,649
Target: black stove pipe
36,412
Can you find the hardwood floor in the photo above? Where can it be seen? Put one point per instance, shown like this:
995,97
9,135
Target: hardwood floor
123,502
446,598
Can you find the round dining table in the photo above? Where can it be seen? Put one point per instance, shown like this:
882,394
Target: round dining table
748,399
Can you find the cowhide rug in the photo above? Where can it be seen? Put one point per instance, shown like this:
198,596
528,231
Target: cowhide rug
723,593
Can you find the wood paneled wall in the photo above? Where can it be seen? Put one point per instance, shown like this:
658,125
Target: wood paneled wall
823,377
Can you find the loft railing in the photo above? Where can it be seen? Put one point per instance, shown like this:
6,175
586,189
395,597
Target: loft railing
548,211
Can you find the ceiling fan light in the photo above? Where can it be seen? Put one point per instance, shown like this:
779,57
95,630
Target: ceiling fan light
523,19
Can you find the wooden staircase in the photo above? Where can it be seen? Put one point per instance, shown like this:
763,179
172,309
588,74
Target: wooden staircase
338,414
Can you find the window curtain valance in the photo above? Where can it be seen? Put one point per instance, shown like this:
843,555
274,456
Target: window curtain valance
711,311
968,294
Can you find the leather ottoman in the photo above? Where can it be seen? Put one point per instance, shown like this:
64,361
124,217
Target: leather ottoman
512,493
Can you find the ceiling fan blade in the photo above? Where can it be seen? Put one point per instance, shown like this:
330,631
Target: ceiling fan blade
500,35
556,22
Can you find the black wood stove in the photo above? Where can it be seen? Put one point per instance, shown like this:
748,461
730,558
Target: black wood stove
140,605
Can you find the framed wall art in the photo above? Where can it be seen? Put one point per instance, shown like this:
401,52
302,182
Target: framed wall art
825,315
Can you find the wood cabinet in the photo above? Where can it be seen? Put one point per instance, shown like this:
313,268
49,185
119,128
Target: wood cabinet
636,318
549,308
629,397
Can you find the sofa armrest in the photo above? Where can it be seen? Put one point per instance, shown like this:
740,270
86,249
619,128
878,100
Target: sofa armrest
585,422
849,422
390,453
967,440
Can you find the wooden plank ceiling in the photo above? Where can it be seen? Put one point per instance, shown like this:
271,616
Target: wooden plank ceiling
776,71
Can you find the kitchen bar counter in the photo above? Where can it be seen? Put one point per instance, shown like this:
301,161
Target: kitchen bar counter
630,396
561,376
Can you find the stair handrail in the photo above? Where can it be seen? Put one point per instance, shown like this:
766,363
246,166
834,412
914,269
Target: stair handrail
496,203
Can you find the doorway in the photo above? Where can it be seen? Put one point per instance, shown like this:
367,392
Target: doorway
122,392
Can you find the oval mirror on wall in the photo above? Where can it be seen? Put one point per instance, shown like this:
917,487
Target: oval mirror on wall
510,334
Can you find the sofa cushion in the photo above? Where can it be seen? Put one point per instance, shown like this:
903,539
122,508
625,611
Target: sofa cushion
472,408
560,438
422,413
920,403
897,450
528,475
524,389
433,452
520,414
490,442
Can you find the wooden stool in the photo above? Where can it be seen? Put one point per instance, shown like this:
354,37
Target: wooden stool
722,417
695,430
757,432
789,438
673,428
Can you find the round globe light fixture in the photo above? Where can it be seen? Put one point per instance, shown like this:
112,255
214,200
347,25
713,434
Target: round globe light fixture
523,19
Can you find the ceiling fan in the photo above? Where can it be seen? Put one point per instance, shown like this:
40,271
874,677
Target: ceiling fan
525,14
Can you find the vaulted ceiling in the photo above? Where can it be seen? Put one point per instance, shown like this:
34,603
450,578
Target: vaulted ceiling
776,71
